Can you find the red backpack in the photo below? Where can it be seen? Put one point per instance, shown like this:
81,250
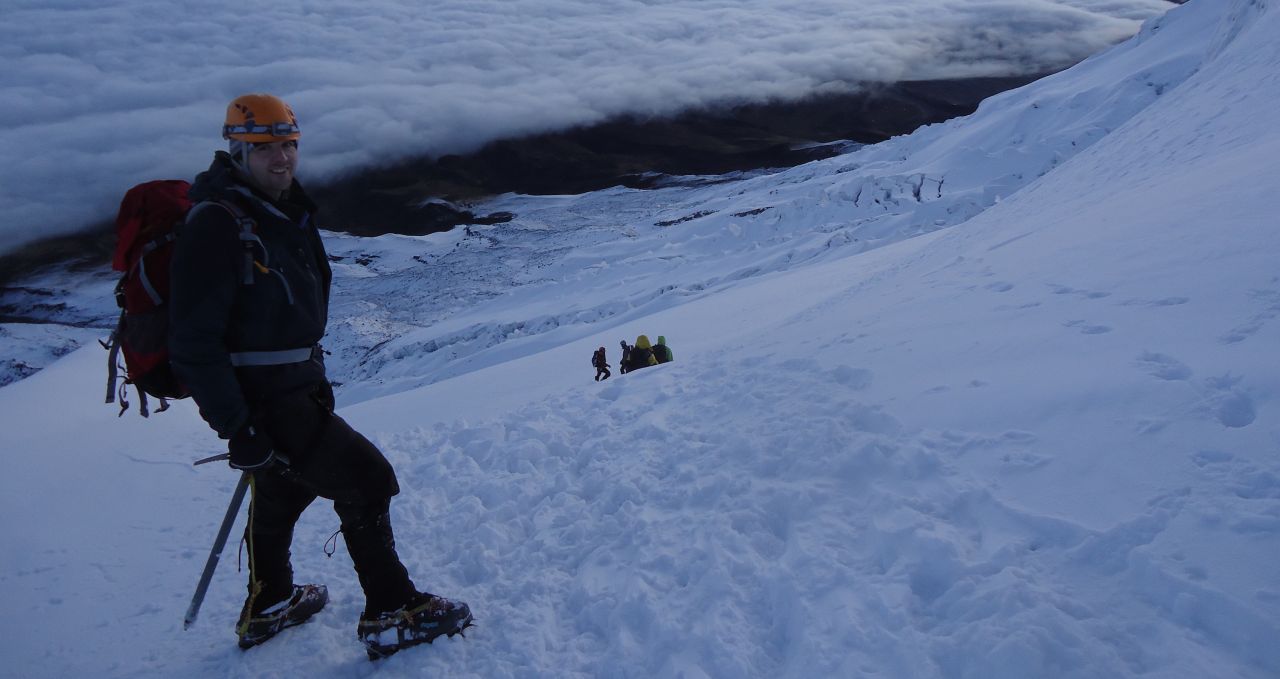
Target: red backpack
146,228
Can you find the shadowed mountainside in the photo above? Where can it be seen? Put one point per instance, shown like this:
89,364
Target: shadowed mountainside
426,195
638,152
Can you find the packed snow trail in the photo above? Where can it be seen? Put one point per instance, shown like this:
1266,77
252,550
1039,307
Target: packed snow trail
796,531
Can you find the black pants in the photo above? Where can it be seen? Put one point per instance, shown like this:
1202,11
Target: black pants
602,371
327,459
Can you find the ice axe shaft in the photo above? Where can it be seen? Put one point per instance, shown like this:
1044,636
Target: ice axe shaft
216,553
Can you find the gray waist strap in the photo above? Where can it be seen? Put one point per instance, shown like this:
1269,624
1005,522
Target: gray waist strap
283,357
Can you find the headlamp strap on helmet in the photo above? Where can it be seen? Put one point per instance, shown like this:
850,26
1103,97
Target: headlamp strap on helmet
275,129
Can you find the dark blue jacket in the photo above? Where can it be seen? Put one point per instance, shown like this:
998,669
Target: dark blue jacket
214,312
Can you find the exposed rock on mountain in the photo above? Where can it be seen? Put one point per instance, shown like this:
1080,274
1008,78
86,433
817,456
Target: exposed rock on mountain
640,152
428,195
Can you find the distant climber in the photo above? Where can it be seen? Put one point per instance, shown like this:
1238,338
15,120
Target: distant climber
641,355
661,351
601,364
624,365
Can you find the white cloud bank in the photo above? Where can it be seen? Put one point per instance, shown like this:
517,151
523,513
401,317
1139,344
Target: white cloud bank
96,96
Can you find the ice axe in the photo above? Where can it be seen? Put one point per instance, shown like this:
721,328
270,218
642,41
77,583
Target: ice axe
221,541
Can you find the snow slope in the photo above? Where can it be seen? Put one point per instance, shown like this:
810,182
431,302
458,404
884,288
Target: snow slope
570,264
1039,443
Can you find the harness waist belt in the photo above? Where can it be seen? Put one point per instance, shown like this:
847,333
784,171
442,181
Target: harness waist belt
241,359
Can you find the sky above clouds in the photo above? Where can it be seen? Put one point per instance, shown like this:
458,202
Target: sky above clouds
97,96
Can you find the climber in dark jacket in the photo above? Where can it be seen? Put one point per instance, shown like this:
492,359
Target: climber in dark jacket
624,364
662,352
249,304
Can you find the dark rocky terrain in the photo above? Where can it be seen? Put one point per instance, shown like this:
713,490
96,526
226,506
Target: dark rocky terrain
426,195
639,152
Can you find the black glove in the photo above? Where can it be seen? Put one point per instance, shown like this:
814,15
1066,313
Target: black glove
251,450
324,396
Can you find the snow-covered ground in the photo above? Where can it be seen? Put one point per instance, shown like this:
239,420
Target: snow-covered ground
997,399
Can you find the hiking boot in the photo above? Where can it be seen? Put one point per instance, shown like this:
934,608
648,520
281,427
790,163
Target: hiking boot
424,618
307,600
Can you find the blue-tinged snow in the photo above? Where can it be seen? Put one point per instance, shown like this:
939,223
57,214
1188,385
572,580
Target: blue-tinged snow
998,399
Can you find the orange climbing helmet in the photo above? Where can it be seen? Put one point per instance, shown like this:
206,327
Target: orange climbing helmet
260,118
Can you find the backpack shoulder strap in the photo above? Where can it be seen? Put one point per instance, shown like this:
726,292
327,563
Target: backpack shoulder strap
248,233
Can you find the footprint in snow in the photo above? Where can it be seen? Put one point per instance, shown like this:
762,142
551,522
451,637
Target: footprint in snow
1269,303
1023,461
1230,405
1220,398
611,392
1208,458
854,378
801,365
1163,366
1161,302
1088,329
1076,292
1252,493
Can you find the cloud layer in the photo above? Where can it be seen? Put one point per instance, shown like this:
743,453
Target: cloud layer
99,96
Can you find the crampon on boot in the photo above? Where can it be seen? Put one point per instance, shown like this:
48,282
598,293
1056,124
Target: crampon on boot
424,618
306,601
